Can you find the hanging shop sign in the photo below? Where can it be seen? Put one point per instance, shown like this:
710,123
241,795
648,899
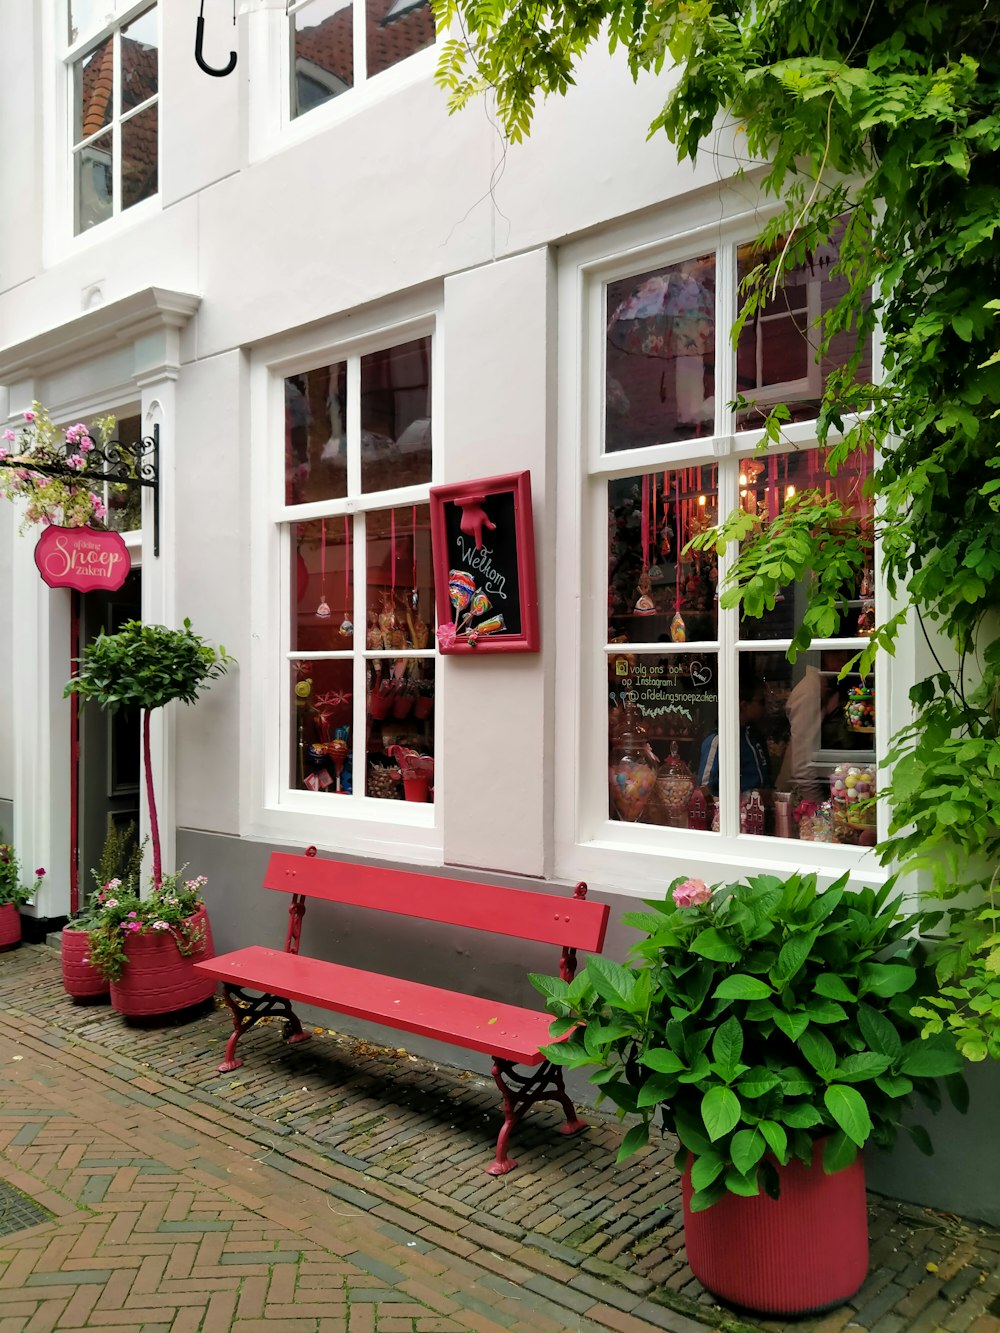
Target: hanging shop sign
484,565
83,559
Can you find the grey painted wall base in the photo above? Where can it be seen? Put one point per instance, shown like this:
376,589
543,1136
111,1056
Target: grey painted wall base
963,1176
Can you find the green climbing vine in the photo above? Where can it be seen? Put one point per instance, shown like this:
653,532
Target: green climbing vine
886,115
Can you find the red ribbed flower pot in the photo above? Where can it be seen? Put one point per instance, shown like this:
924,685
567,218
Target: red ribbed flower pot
806,1251
158,979
10,927
81,979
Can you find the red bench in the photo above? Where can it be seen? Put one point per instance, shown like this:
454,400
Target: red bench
508,1033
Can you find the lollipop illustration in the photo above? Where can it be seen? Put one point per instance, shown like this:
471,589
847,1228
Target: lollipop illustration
491,626
461,587
479,605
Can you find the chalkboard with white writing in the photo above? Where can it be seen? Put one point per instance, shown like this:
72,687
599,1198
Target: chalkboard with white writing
484,569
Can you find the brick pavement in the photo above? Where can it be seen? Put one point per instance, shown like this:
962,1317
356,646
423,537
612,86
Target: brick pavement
340,1186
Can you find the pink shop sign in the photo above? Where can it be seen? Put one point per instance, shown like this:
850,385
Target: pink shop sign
82,558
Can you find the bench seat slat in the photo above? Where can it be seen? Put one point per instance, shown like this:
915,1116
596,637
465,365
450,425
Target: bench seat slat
478,1024
521,913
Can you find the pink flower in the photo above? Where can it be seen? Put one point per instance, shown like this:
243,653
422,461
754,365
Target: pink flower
86,444
692,893
132,914
446,634
9,435
75,460
29,416
131,925
111,902
39,872
160,925
3,453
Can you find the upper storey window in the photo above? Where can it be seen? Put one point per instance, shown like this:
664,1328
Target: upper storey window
113,63
337,44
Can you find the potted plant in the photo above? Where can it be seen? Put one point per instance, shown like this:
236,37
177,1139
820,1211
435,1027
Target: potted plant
13,894
769,1027
147,667
120,863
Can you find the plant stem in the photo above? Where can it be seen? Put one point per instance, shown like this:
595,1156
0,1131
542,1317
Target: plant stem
154,828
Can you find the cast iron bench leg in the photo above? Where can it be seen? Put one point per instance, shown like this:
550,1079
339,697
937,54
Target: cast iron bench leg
519,1093
247,1010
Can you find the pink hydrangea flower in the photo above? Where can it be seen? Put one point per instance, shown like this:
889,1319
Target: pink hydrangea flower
692,893
3,453
29,416
9,435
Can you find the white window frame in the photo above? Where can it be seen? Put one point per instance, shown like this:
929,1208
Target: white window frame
271,45
60,232
641,859
272,807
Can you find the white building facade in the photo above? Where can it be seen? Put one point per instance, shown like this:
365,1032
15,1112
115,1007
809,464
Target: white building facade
328,295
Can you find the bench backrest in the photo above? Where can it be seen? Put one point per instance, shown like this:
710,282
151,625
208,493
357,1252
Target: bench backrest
521,913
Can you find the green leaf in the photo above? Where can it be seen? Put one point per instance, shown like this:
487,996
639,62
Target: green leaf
554,988
879,1032
720,1112
727,1047
894,1085
706,1168
656,1089
933,1058
791,959
839,1152
865,1064
792,1025
703,1199
613,983
691,1133
662,1060
746,1149
711,943
757,1082
819,1052
886,979
738,1183
776,1138
801,1116
921,1138
833,987
850,1111
636,1138
739,986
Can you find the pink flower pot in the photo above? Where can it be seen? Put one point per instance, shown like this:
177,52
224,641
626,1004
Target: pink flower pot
805,1251
379,706
415,789
402,706
158,979
423,707
81,979
10,927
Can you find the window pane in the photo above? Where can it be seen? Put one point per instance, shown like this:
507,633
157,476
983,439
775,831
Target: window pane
400,744
322,583
396,29
322,53
86,16
316,435
400,579
766,484
660,366
322,758
140,75
139,156
818,733
663,717
93,83
93,183
396,416
656,593
125,502
776,357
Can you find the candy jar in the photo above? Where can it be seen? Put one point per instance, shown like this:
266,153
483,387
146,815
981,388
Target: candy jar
631,776
804,814
822,823
859,710
674,784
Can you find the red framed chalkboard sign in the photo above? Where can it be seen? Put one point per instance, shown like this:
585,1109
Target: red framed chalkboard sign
484,565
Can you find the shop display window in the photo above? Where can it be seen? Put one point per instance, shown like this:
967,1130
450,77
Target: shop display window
114,94
360,643
710,727
336,46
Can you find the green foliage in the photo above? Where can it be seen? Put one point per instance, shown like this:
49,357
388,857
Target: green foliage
120,863
146,666
764,1017
119,915
12,891
888,115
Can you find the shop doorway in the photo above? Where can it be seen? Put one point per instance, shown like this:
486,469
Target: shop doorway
107,745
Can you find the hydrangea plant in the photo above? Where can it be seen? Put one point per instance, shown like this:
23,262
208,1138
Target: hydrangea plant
26,457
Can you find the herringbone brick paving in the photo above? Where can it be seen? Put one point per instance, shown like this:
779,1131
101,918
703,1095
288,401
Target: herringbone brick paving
340,1186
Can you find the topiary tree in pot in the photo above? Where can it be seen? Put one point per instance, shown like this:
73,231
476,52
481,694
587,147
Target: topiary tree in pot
147,667
146,947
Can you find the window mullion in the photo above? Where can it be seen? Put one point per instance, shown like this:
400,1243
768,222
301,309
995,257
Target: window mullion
729,674
359,729
726,299
116,128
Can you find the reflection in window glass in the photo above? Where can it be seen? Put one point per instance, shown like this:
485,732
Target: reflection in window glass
399,749
139,156
125,502
807,748
777,354
396,416
766,485
139,61
663,721
93,183
321,694
322,53
93,79
657,592
660,357
396,29
86,16
323,611
316,435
